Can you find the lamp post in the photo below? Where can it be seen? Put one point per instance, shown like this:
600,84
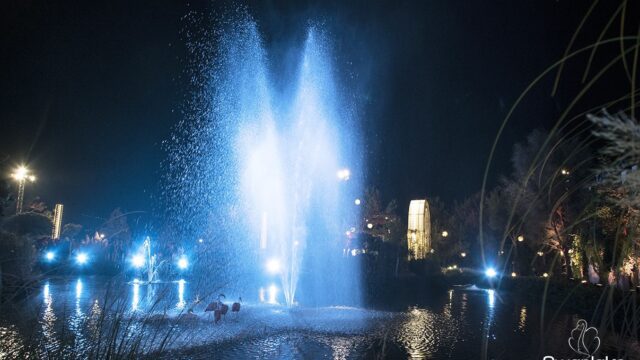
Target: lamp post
21,175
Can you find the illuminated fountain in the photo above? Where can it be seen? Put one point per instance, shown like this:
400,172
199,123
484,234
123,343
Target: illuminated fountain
146,261
260,164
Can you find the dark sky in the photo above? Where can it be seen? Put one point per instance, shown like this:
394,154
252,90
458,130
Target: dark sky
89,90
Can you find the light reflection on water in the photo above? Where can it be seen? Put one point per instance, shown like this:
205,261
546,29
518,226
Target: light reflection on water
523,318
135,298
456,322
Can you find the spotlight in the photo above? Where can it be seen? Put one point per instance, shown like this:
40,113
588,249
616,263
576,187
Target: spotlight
138,261
273,266
183,263
82,258
491,272
50,255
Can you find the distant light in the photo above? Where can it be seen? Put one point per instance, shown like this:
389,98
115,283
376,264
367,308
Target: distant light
570,251
296,243
565,172
445,233
344,174
50,255
370,225
138,261
354,252
545,275
463,254
183,263
491,272
20,173
540,253
273,294
273,266
432,251
357,201
520,238
584,281
201,240
513,274
82,258
454,266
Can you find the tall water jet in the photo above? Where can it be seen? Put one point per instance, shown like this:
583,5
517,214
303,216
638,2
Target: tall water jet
266,160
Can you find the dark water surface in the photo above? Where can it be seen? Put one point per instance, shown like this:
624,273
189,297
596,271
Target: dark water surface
67,318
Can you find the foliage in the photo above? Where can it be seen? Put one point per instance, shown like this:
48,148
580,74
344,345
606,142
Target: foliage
18,236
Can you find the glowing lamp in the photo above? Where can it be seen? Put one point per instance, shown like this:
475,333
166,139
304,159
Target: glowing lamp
183,263
357,202
50,255
490,273
273,266
520,238
344,174
82,258
138,261
513,274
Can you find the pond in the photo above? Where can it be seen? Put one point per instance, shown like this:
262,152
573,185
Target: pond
82,317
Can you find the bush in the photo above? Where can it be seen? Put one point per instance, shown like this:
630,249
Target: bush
18,235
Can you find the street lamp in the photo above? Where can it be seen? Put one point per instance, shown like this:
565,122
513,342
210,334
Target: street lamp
21,175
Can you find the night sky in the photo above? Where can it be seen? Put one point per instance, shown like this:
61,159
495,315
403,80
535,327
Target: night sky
88,91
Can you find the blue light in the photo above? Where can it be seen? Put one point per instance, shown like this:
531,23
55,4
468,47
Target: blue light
490,272
183,263
50,255
138,261
82,258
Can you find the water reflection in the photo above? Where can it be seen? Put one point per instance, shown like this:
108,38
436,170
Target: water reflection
341,348
181,303
48,319
523,318
455,320
135,298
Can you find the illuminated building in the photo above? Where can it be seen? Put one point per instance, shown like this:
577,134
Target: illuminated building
57,221
419,230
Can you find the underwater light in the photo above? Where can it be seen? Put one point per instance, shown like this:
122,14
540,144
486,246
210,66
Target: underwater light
50,255
82,258
183,263
490,272
138,261
273,266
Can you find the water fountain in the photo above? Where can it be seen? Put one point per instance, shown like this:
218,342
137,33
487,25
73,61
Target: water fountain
261,158
147,262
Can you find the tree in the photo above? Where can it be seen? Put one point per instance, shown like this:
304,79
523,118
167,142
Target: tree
18,236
